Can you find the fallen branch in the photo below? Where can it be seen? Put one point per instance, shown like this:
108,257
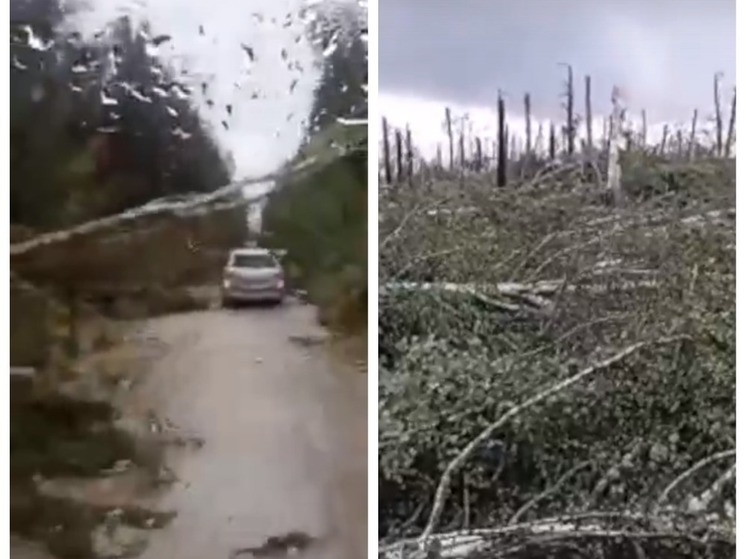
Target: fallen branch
549,171
703,502
547,492
230,195
179,207
409,215
534,293
445,480
689,473
461,543
572,331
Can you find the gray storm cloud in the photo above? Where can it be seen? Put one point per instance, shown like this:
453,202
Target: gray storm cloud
664,53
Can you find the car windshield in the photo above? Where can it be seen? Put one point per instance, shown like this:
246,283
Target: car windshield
253,261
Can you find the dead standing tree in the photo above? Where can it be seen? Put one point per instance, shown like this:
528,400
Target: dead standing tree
614,174
692,137
399,162
410,156
588,117
502,148
664,139
731,125
718,114
529,154
461,152
386,152
527,110
449,130
570,108
478,154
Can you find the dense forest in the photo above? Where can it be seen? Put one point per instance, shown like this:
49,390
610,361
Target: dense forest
115,128
97,127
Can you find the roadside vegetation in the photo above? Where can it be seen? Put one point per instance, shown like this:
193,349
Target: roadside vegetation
319,215
320,218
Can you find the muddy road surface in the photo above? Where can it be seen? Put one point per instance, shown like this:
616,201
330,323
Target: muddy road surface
284,430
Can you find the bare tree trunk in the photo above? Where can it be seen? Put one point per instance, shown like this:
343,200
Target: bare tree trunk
552,142
386,153
410,156
478,157
508,164
588,117
513,148
439,158
692,137
570,124
718,115
449,127
679,144
502,148
399,162
527,110
644,134
461,152
663,140
614,174
731,125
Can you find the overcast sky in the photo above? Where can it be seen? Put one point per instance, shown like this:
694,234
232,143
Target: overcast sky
663,53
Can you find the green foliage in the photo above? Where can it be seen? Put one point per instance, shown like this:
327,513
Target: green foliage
71,159
648,176
320,219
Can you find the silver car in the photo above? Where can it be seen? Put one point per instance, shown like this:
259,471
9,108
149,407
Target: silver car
252,275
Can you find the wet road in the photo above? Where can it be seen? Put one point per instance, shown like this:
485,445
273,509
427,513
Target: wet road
284,430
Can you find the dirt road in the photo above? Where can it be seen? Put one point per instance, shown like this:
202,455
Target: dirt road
284,431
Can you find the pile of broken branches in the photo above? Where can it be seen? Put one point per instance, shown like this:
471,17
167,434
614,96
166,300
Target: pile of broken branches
557,374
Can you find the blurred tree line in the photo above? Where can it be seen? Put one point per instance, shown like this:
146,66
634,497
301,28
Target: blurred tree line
89,135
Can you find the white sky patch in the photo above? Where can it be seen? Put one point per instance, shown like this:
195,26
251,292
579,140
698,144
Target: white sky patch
642,55
426,120
262,133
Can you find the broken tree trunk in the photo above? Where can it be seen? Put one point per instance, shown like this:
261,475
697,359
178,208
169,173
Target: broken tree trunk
614,174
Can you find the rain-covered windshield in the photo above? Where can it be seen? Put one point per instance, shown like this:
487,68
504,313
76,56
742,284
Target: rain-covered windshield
149,139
